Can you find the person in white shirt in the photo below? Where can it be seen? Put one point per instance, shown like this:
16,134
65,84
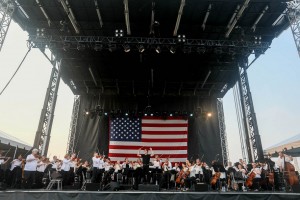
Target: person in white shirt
166,167
30,169
65,169
41,166
282,158
257,171
16,172
96,171
157,162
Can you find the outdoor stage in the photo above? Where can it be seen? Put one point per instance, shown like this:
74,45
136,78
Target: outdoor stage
121,195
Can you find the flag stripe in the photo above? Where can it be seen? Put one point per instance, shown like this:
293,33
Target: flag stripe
134,155
151,121
135,158
163,136
164,152
165,132
162,129
145,144
157,148
164,140
164,125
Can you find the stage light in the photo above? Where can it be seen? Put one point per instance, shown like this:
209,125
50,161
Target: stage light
87,112
171,114
126,114
145,114
172,49
141,48
119,33
105,114
151,114
191,115
181,38
158,49
112,47
209,114
126,48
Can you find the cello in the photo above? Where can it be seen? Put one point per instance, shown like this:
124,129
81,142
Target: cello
249,181
291,176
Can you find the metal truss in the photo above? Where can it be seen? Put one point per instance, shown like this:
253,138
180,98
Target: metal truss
6,11
251,128
42,137
73,124
101,42
293,14
223,135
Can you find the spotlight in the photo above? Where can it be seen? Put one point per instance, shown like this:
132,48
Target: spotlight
141,48
105,114
172,50
126,48
145,114
191,115
181,38
209,114
151,114
171,114
158,49
126,114
119,33
87,112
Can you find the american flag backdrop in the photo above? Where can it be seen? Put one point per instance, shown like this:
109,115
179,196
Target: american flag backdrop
168,137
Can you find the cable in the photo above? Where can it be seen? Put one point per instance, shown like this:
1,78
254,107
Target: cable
29,49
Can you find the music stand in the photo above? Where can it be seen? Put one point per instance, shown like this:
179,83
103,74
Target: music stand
156,171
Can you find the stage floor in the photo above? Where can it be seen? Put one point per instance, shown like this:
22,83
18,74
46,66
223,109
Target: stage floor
140,195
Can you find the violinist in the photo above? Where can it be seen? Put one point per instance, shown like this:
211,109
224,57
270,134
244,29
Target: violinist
199,170
16,172
30,168
3,161
65,169
96,170
41,166
166,167
157,162
126,165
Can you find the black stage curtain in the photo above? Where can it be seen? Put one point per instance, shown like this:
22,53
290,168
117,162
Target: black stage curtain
203,134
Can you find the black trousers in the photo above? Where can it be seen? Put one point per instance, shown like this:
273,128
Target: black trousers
29,179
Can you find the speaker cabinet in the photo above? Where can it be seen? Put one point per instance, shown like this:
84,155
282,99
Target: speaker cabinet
201,187
92,187
148,187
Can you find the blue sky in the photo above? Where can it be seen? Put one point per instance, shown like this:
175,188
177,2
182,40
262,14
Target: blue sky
273,80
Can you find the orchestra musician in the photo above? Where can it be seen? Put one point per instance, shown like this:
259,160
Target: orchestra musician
16,172
65,169
30,168
256,169
191,177
282,158
166,167
96,170
40,169
3,161
126,165
146,161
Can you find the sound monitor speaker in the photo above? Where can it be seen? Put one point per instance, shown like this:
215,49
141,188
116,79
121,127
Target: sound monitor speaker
201,187
296,188
112,186
92,187
148,187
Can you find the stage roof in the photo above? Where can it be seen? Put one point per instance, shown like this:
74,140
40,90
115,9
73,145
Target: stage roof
215,35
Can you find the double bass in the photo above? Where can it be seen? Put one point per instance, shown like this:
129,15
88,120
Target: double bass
291,176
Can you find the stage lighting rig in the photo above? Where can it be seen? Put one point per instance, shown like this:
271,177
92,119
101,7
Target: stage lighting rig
158,49
119,33
141,48
126,48
181,39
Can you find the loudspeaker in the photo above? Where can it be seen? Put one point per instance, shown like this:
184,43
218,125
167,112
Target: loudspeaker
296,188
112,186
148,187
201,187
92,187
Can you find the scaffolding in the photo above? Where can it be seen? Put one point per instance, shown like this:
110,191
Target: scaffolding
223,135
6,11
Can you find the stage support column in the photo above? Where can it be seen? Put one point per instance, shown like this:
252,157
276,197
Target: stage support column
6,11
42,137
73,124
251,128
223,135
294,19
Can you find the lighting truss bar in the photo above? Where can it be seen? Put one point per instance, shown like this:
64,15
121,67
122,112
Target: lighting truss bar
223,134
208,74
42,137
238,16
6,11
58,41
259,18
93,77
126,13
294,18
98,13
73,124
206,17
182,4
233,16
152,18
70,14
44,12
